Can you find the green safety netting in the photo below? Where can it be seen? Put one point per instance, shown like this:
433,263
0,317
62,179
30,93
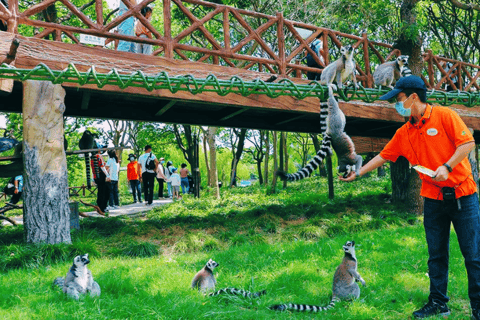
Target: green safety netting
284,87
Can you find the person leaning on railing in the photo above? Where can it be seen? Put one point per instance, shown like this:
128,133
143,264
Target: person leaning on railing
436,137
126,28
142,32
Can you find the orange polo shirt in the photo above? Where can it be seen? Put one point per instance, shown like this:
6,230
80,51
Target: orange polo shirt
431,142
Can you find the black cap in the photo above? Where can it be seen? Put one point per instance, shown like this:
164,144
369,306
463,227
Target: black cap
410,82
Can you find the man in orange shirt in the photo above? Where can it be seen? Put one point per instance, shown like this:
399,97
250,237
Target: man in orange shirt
134,177
435,137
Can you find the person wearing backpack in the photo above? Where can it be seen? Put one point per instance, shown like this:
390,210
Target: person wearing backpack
316,45
148,163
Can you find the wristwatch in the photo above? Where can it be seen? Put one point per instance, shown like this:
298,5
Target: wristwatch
448,167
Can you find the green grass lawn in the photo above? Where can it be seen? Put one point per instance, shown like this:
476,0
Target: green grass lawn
289,244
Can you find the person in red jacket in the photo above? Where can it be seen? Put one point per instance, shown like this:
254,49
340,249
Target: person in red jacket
134,177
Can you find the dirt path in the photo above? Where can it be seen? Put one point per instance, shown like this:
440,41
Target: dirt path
129,209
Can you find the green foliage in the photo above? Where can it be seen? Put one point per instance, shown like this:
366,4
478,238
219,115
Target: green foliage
141,250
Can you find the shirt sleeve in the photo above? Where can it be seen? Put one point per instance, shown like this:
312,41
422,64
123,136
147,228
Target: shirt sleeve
392,150
455,128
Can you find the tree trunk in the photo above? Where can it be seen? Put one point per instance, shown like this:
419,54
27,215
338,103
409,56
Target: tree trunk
406,186
237,155
205,137
46,210
267,156
381,171
331,190
275,164
213,161
410,43
259,169
285,168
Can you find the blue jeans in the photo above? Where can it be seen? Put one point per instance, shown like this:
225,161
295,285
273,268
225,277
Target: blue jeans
438,216
113,193
185,185
136,190
169,189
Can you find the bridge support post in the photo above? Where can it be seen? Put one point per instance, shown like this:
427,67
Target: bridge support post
46,210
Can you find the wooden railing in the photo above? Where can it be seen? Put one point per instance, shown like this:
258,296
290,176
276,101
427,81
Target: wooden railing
217,34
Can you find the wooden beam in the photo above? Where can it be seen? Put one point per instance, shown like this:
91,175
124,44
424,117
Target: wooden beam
233,114
291,119
165,108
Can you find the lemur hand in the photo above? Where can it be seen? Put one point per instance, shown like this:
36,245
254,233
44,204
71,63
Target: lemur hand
349,178
361,281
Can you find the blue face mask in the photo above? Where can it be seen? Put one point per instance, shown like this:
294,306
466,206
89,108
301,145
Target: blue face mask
162,162
401,109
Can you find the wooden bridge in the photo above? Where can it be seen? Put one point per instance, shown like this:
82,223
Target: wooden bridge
203,39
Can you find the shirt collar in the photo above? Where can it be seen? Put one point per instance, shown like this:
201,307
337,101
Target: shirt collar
421,122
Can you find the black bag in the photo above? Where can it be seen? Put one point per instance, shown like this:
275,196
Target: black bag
150,163
9,189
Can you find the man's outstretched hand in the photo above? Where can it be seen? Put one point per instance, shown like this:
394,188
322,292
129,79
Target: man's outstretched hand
349,178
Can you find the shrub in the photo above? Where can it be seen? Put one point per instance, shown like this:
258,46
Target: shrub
141,250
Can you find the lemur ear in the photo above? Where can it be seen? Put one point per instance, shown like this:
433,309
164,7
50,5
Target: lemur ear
353,243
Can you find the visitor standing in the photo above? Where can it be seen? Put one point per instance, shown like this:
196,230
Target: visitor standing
436,137
113,167
100,175
316,45
168,173
184,178
143,32
175,181
161,177
148,163
126,28
134,176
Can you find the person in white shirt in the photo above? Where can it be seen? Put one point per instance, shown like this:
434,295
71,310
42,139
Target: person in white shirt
176,182
149,163
113,167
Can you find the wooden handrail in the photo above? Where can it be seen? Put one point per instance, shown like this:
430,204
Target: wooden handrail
280,57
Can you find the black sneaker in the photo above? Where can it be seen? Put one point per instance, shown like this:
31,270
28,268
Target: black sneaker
476,313
433,307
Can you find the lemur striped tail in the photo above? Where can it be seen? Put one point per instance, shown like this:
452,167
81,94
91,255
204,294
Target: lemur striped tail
321,154
87,168
239,292
303,307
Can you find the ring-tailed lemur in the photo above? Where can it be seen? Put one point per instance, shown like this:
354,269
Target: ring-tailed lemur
79,279
325,150
239,292
348,160
405,71
204,280
344,284
341,69
388,72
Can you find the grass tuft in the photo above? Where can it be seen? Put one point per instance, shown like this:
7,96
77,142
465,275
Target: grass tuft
141,250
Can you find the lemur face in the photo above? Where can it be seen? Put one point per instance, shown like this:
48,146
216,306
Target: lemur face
212,264
349,247
402,60
81,260
345,169
347,51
